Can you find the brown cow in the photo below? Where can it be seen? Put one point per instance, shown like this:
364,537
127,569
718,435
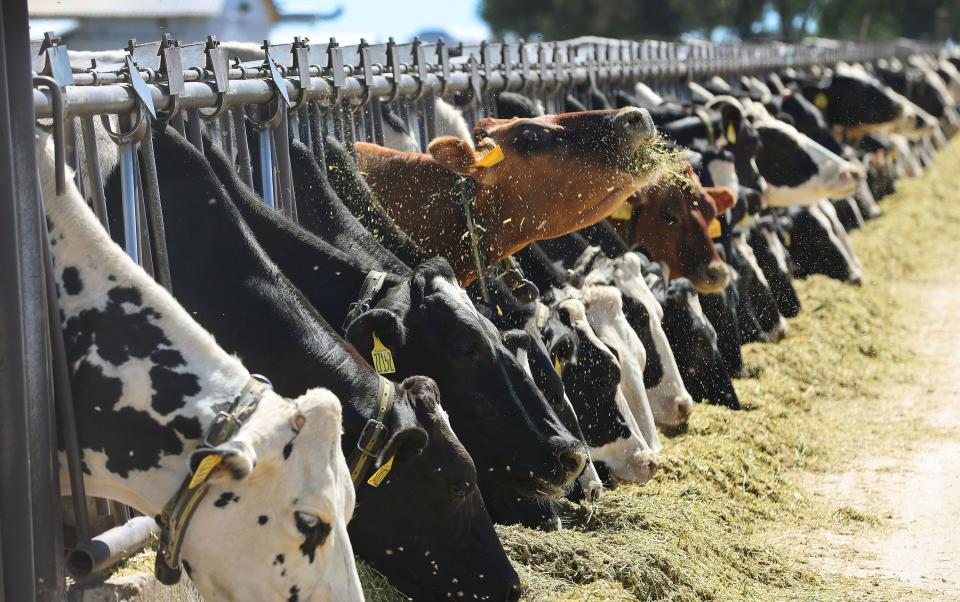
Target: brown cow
671,220
558,173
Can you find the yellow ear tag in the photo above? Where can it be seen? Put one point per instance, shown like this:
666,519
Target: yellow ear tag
499,311
744,221
821,101
490,159
731,134
714,228
624,212
203,471
786,238
381,356
557,365
382,472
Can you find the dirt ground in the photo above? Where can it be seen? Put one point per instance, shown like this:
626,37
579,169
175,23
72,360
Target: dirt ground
909,491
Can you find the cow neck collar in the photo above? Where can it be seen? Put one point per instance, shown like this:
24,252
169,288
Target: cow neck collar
175,516
374,435
370,288
465,195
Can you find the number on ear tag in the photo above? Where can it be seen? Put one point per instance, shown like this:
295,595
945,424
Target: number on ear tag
624,212
381,357
821,101
382,472
203,471
714,229
731,134
490,159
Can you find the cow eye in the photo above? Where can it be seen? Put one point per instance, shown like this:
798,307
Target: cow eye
312,527
668,217
460,490
467,349
530,139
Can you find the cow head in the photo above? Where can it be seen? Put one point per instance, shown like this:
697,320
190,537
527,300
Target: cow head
593,161
273,524
774,260
593,387
851,98
798,170
510,429
427,558
694,343
671,219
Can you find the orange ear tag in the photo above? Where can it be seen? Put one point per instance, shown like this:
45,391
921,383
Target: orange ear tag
714,228
490,159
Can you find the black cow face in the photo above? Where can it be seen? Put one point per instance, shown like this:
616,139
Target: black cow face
423,561
694,344
813,249
759,318
721,310
506,423
774,260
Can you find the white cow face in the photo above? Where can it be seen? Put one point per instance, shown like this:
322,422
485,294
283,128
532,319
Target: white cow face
798,170
273,525
669,400
605,313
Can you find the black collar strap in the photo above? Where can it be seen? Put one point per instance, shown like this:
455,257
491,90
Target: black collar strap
373,436
175,517
368,290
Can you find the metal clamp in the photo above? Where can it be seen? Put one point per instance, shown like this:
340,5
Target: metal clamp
217,64
301,62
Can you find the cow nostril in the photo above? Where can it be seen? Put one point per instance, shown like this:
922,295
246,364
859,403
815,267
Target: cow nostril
573,459
514,594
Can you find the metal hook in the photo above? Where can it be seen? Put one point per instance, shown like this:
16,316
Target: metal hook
133,135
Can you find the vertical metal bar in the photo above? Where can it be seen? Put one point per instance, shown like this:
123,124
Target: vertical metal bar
293,125
304,122
243,149
226,130
94,177
376,111
154,211
284,169
128,190
215,137
63,396
194,131
177,123
25,388
266,168
143,232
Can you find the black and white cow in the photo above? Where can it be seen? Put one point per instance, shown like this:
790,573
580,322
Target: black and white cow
148,382
766,240
816,248
721,310
226,280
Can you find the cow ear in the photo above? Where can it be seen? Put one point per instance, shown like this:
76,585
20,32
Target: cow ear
383,323
405,444
453,154
459,157
235,458
722,197
730,119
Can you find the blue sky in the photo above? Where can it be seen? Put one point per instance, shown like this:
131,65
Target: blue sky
376,20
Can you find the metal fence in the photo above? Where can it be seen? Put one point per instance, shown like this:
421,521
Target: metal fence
299,90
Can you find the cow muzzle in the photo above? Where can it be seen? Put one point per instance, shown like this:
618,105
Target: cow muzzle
634,125
713,278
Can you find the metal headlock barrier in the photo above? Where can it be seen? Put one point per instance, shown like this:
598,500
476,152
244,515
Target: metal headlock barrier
299,90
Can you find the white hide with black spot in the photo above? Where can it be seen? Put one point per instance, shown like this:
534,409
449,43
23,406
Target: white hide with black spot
834,177
605,313
669,400
148,381
628,459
